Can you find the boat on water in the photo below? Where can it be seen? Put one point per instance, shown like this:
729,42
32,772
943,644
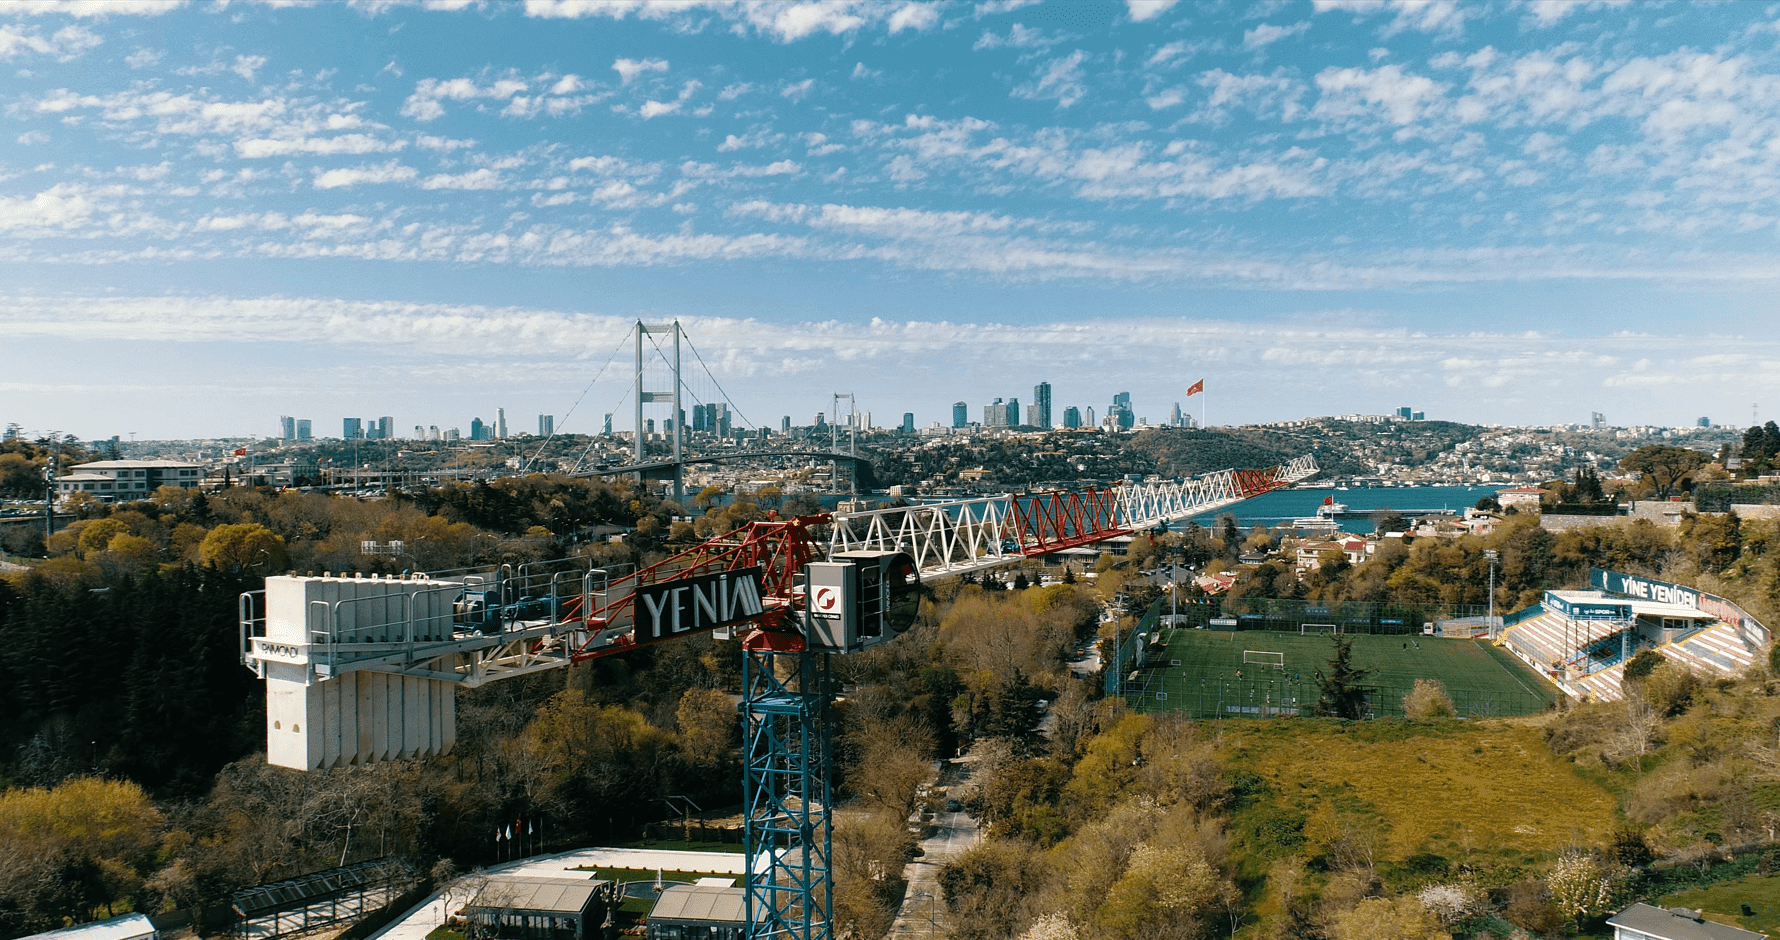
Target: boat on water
1325,518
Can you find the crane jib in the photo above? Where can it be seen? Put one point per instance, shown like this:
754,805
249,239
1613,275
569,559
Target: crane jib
699,603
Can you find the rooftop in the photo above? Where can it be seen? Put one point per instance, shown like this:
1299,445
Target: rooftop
1677,924
700,902
554,895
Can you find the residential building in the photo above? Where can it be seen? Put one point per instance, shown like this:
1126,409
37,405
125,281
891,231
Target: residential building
546,425
1525,498
1648,922
960,415
128,479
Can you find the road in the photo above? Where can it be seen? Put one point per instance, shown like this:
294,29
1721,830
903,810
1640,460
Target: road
923,914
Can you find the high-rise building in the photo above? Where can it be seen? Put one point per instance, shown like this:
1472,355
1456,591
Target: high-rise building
608,429
1119,413
287,428
960,415
351,429
419,432
1418,416
386,428
304,430
546,425
1002,414
1072,417
500,423
1174,416
908,422
477,429
1088,418
785,424
1405,412
451,435
1041,400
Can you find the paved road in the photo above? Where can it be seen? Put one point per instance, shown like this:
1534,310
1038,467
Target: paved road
923,913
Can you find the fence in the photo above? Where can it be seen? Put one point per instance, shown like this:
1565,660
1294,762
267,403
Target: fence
1371,617
1157,691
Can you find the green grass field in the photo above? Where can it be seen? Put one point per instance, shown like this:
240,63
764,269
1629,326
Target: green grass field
1725,901
1198,673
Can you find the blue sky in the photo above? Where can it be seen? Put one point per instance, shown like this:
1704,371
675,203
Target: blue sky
212,214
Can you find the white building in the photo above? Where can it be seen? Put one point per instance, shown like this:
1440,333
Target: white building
128,479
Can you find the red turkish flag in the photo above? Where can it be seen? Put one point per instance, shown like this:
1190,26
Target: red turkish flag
1198,387
240,451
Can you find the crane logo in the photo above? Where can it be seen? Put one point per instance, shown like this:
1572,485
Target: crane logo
826,601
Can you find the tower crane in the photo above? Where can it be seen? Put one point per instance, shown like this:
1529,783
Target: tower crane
360,669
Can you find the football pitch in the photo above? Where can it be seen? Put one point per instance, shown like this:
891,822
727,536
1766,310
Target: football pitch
1203,672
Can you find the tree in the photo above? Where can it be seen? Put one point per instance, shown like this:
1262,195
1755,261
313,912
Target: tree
243,545
1428,700
1401,918
1385,519
1663,467
1342,694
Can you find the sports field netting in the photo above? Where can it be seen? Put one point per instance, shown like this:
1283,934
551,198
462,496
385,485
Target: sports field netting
1203,673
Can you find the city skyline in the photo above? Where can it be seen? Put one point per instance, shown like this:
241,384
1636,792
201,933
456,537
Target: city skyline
1508,213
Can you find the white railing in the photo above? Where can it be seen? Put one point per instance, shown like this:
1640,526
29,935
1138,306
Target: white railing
961,536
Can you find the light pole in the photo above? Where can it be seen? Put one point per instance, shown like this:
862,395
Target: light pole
1490,555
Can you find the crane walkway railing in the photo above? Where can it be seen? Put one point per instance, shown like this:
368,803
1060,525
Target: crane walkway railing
956,537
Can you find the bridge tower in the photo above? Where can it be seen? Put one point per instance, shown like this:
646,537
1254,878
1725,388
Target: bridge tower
644,396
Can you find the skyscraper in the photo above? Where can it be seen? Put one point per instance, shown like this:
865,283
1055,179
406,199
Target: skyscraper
477,429
1072,417
960,415
304,429
908,422
500,423
608,430
1120,411
386,428
351,428
1041,400
546,425
287,427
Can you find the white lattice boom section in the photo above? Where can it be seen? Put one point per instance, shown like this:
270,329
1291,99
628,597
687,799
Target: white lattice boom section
961,536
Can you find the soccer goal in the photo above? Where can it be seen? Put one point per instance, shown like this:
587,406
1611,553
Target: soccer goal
1264,658
1308,628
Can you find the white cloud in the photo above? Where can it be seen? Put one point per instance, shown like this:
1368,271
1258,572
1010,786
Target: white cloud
1141,10
391,172
483,178
424,103
143,58
1267,33
1018,36
33,137
59,208
654,109
91,8
1428,16
1352,91
64,44
246,65
263,147
629,69
797,91
1167,98
916,16
1060,78
755,138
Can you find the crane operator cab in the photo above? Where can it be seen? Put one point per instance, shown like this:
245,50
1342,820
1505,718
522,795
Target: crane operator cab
857,600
